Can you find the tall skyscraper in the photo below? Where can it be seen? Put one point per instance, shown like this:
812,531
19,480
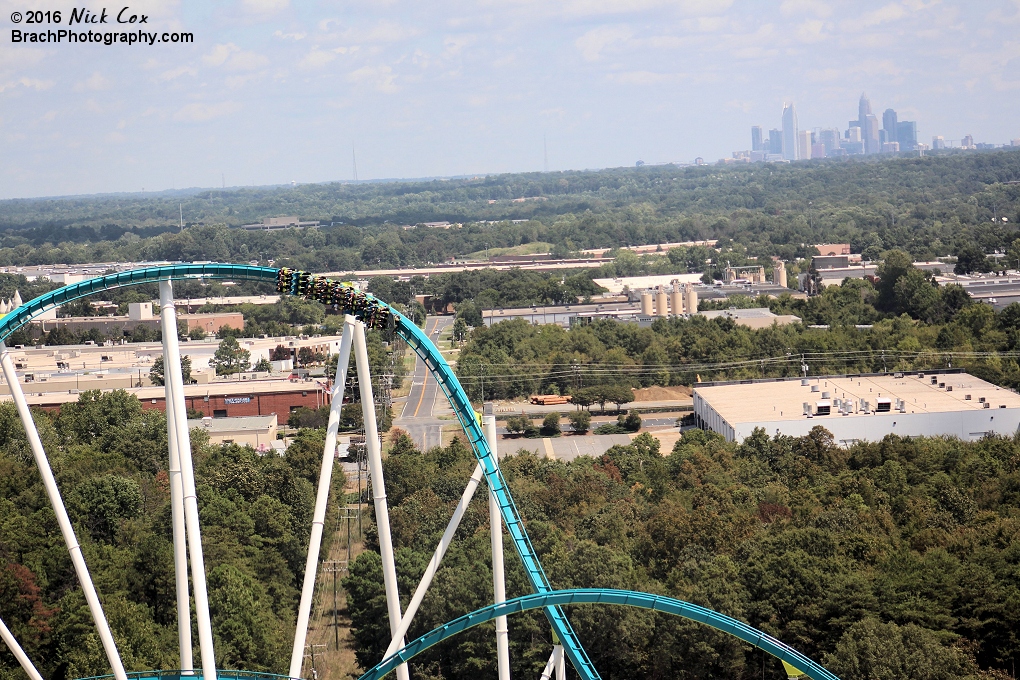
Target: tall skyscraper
869,125
906,135
889,124
789,132
775,141
872,143
830,138
804,144
756,138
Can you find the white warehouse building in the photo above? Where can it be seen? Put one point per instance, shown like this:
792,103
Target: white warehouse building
860,407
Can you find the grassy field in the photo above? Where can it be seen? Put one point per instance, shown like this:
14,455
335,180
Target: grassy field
523,249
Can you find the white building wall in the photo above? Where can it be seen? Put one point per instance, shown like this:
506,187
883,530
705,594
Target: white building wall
967,425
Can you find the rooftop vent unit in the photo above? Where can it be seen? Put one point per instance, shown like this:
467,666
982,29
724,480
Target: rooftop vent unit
934,380
807,408
883,406
966,398
981,400
804,382
987,405
942,386
814,388
1002,406
949,388
825,395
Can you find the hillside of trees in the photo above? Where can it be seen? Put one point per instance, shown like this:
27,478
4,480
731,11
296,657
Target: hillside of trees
929,206
894,559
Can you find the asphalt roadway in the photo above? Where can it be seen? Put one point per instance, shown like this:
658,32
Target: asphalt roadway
418,417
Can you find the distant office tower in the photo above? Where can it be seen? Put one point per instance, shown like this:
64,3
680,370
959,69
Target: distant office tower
854,134
804,144
938,142
872,144
789,133
756,138
1015,142
906,135
869,125
890,147
891,126
830,138
968,142
775,141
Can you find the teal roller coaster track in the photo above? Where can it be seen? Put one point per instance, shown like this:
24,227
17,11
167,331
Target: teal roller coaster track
544,596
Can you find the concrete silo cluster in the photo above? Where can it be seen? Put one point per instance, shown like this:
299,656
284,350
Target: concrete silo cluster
673,300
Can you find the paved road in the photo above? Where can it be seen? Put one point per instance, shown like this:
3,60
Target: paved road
418,416
566,426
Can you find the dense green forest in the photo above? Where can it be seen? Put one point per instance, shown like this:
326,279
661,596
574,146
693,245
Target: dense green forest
889,560
109,459
928,206
907,322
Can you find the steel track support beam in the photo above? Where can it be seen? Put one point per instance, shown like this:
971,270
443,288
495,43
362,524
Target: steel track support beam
321,499
382,514
180,538
172,374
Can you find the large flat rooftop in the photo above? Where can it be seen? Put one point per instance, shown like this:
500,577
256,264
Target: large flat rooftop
783,399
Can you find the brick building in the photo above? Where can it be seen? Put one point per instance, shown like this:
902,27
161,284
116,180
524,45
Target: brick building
226,399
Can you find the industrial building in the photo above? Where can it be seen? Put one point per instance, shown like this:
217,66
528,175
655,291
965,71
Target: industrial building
860,407
756,317
258,432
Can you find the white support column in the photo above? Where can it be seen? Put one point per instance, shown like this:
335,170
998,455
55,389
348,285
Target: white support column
437,557
172,374
550,667
77,559
180,537
18,652
321,499
382,514
496,540
561,663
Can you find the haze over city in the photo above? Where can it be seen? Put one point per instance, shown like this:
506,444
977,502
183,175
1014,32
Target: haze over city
272,91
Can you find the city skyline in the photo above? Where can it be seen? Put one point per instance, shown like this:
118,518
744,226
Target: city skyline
865,135
273,91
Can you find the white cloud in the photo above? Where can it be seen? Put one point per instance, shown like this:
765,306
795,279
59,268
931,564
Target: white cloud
174,74
317,58
811,31
645,78
795,8
199,112
594,41
290,36
94,83
220,54
890,12
684,7
27,83
232,57
381,78
264,8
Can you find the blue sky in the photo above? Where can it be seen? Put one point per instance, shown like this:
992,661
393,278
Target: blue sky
274,91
